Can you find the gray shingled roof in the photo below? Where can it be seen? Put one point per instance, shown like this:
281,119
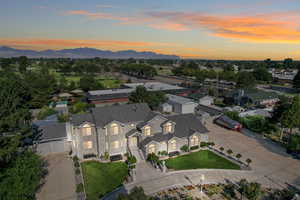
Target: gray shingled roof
185,126
122,113
52,131
185,123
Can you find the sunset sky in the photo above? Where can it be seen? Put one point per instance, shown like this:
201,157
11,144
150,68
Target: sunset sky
212,29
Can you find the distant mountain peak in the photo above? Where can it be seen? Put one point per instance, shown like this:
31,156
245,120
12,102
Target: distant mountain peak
83,52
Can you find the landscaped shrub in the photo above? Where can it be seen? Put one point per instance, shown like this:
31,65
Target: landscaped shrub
229,151
106,156
153,158
162,153
79,188
45,112
248,161
194,147
184,148
213,189
76,164
222,149
63,118
77,171
75,159
131,159
251,190
203,144
229,191
238,156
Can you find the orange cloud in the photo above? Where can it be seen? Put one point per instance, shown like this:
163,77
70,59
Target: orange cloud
271,28
62,43
97,15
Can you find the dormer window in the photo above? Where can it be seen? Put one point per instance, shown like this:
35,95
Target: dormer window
147,130
168,127
114,129
86,130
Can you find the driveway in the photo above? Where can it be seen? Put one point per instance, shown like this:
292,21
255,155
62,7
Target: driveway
60,181
269,160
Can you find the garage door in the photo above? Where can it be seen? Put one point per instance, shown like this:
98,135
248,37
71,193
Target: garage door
52,147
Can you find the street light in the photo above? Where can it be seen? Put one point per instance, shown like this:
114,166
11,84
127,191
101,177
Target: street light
202,178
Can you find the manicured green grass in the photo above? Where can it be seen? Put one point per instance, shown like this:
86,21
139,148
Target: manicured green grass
110,83
200,160
102,178
107,82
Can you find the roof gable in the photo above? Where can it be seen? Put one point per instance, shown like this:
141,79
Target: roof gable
121,113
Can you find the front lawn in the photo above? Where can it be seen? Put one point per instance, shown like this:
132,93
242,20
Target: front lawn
200,160
102,178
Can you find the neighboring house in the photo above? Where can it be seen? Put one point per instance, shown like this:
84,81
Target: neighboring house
117,130
206,100
257,112
284,75
121,95
53,137
234,109
226,122
255,97
61,107
181,105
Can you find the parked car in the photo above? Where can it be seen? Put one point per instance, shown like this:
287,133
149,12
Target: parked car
228,123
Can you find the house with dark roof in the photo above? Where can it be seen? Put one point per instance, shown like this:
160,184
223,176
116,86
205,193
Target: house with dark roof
256,97
120,129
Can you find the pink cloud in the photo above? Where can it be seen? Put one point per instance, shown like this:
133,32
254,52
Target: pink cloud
170,26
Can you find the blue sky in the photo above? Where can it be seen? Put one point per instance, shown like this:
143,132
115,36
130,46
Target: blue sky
215,29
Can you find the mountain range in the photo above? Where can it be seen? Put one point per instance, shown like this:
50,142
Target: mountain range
83,53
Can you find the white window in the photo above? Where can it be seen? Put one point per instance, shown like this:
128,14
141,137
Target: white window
147,131
194,141
151,148
115,144
168,127
173,146
114,129
88,145
86,130
163,144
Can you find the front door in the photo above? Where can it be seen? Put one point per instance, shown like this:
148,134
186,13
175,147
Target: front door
133,141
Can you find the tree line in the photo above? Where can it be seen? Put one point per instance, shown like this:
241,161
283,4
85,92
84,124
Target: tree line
139,70
21,170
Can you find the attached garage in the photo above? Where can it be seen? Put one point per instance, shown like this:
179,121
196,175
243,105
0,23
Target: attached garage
53,138
50,147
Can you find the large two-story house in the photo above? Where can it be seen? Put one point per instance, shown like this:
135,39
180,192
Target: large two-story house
116,130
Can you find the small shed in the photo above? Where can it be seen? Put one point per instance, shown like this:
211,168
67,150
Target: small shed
181,105
65,95
77,91
166,108
206,100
